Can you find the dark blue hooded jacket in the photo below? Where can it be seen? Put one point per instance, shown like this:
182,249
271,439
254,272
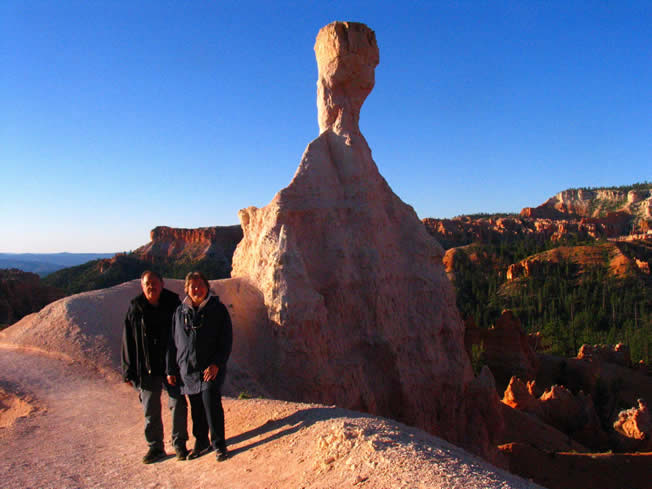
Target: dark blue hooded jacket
200,337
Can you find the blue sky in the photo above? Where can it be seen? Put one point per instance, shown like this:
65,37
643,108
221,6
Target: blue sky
119,116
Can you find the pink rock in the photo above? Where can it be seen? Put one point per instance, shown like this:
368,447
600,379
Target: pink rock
518,395
636,425
354,287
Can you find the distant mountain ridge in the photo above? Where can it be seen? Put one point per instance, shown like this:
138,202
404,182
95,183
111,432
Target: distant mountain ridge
601,213
45,263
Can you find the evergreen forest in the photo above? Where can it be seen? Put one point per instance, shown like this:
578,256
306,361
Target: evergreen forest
569,303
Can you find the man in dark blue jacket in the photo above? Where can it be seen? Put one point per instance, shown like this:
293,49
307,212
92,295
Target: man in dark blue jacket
145,341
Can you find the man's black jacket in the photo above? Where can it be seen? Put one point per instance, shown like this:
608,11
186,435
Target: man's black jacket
146,336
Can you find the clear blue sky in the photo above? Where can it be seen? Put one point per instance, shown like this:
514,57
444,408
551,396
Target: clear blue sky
119,116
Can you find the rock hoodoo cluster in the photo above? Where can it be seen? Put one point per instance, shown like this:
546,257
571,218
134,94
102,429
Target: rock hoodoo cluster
354,287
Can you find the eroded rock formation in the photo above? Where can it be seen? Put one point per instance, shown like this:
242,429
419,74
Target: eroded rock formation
571,414
354,286
608,255
617,354
214,244
603,213
464,230
635,425
22,293
507,348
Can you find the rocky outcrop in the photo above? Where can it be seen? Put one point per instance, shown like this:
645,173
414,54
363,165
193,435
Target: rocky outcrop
571,414
575,415
617,354
354,286
635,425
599,202
523,427
583,214
621,210
520,395
22,293
464,230
610,385
507,349
484,425
178,245
173,252
607,255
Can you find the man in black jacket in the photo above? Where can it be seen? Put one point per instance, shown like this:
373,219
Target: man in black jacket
145,341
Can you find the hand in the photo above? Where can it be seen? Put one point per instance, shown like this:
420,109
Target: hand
172,379
211,372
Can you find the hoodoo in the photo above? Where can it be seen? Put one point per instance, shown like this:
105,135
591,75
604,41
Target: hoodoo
361,310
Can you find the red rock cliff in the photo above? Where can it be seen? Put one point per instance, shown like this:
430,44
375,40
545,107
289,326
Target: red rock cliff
191,244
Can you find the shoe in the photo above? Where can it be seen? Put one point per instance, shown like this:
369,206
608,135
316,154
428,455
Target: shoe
197,451
182,453
222,455
154,455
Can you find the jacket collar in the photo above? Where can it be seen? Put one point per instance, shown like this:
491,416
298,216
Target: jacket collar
187,302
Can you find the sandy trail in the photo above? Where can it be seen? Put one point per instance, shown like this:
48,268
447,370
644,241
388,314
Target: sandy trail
86,432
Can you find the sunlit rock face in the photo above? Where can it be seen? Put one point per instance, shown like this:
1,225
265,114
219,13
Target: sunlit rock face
355,290
635,425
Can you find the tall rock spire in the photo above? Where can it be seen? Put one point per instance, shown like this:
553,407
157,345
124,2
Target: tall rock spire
347,56
361,310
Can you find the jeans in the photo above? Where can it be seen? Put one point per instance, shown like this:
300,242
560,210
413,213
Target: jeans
208,415
150,398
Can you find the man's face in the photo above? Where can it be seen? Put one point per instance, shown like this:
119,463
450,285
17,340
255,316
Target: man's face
197,291
152,287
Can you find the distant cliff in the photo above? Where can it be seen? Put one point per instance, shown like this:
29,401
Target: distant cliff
628,208
171,247
581,214
173,252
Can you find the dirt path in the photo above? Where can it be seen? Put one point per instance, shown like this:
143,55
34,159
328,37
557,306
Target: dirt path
86,432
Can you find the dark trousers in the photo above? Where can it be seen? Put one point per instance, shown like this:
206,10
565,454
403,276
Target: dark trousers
208,415
150,398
